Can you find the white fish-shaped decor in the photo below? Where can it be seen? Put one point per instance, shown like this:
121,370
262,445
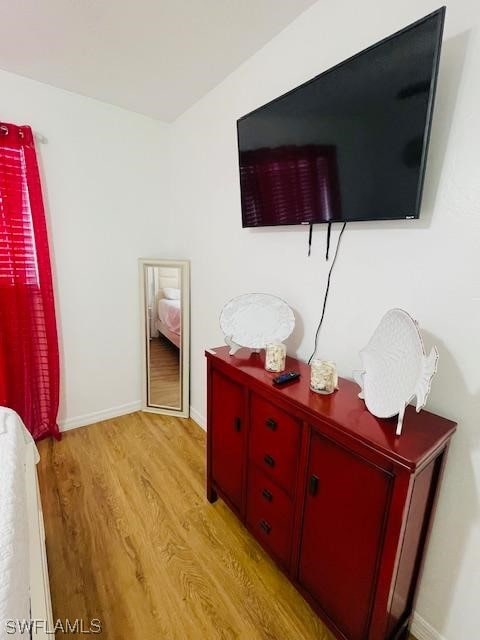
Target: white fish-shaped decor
396,368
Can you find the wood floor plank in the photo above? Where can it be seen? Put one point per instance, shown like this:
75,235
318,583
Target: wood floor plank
132,541
165,383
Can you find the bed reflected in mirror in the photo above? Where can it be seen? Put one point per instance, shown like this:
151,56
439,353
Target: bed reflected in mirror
165,335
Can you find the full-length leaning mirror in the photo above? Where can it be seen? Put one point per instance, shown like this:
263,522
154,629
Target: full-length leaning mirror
165,298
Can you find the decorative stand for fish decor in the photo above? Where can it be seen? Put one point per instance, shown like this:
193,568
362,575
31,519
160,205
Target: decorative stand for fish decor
396,368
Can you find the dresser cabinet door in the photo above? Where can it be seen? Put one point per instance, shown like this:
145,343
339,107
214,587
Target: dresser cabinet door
345,511
228,437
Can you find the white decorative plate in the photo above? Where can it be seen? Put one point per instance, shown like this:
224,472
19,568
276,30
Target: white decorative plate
395,367
255,319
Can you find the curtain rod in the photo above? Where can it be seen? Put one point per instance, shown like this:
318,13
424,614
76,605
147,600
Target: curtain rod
38,136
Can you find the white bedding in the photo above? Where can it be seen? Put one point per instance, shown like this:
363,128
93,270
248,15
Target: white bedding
169,314
14,543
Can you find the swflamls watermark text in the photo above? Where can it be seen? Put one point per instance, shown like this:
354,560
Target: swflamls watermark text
31,627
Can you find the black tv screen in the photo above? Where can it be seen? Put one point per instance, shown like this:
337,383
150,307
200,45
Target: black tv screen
351,144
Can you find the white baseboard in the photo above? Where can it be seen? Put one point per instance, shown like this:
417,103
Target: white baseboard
197,417
115,412
422,630
98,416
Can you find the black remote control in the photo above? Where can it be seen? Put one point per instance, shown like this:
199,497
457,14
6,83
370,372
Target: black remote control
288,376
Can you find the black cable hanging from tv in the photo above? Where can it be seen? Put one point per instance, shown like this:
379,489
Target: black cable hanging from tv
327,290
329,231
310,232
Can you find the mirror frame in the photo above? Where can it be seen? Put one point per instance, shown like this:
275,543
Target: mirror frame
184,266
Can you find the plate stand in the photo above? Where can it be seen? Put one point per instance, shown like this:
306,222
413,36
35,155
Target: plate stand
234,347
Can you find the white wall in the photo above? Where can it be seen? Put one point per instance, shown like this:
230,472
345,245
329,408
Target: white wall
429,267
106,190
108,200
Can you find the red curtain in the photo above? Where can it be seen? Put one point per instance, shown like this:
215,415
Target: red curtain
29,361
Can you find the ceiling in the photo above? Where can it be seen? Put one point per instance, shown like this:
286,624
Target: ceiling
156,57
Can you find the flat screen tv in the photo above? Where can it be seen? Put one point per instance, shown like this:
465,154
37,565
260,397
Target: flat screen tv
350,144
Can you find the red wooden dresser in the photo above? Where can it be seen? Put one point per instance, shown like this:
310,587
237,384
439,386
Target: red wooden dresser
342,505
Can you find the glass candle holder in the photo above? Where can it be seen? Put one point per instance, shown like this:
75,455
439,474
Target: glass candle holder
323,376
275,354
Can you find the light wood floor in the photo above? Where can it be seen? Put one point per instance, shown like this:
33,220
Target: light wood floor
132,541
165,384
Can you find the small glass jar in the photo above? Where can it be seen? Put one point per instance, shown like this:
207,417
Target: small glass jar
323,376
275,354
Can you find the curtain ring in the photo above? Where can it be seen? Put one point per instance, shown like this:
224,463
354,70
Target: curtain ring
3,130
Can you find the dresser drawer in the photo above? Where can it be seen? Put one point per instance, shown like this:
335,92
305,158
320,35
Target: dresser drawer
269,514
274,442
